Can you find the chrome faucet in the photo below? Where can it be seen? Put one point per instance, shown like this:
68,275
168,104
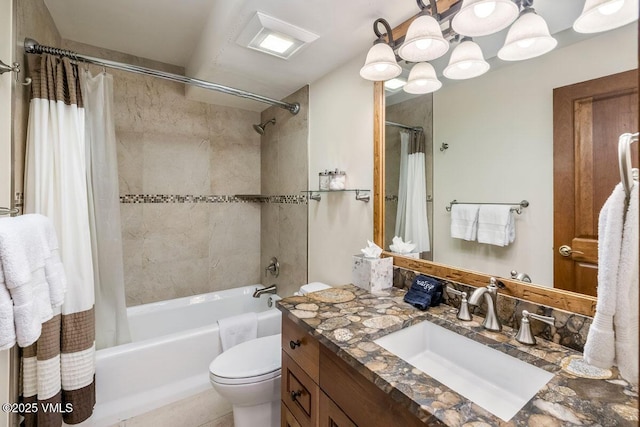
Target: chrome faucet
273,289
523,277
490,293
524,335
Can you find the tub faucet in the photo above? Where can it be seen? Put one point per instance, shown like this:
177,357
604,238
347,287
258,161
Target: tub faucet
490,293
270,290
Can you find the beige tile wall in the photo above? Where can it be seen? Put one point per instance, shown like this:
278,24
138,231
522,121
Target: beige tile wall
284,172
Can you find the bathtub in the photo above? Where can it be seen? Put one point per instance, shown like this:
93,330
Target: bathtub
173,343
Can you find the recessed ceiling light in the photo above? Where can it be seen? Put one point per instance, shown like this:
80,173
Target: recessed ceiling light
273,36
394,84
276,43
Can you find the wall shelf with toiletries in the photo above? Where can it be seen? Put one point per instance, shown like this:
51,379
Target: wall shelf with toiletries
361,195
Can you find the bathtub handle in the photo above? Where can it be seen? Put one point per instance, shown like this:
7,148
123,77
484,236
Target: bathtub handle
294,344
295,395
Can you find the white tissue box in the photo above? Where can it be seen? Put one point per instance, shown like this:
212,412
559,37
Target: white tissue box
372,274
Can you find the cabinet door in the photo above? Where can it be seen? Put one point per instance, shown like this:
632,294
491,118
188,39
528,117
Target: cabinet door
331,415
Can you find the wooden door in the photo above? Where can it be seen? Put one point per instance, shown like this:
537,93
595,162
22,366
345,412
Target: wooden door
588,119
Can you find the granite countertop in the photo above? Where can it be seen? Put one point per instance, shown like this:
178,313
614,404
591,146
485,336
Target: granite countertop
348,319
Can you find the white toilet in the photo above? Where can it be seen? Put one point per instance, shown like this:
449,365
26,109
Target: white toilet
248,376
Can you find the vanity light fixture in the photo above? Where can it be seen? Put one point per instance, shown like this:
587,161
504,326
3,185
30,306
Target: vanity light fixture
424,40
422,79
381,61
604,15
466,61
528,37
483,17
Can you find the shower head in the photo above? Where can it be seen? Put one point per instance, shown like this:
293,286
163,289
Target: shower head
260,128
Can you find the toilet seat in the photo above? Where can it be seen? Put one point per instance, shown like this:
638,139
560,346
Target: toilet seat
249,362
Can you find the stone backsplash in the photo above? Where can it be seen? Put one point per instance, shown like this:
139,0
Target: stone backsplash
569,330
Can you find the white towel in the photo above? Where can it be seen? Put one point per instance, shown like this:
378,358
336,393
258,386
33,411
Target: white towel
496,225
599,350
7,327
235,330
464,221
626,317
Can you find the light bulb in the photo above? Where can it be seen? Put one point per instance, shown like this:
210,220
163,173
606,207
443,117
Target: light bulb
421,82
464,65
484,9
423,44
526,43
611,7
380,67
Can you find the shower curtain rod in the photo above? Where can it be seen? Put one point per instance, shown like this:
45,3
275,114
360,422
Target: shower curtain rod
400,125
32,46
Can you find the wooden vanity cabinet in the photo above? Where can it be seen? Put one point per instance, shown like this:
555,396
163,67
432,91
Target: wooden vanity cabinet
321,390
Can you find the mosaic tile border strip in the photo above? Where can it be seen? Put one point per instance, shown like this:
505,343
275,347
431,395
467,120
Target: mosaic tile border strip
189,198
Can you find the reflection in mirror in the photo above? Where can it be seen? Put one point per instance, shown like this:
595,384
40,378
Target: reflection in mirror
499,129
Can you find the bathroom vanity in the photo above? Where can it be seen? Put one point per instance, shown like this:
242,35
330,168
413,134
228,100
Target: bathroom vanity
335,374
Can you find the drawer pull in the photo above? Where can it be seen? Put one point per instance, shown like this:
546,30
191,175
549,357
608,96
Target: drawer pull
295,395
294,344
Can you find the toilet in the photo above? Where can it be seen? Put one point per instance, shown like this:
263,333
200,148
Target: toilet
248,376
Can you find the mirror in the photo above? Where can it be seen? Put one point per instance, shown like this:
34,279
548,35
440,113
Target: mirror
499,130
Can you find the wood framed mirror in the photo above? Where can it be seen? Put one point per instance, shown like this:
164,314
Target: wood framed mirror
461,272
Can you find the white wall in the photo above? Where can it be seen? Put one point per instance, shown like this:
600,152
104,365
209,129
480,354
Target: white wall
6,55
340,136
499,128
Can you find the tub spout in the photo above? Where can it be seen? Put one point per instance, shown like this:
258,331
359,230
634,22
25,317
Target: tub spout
270,290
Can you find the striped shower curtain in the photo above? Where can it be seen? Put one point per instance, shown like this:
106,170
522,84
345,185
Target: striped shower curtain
60,367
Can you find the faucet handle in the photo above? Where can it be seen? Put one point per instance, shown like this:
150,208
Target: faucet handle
463,311
524,335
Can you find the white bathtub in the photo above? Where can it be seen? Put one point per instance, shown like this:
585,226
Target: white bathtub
173,344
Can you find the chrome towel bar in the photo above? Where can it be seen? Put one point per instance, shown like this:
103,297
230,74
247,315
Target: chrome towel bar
517,209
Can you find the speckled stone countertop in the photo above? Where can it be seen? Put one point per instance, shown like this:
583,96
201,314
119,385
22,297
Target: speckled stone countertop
348,319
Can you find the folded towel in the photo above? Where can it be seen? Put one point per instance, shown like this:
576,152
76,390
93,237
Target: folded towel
464,221
235,330
626,317
599,349
7,327
425,292
496,225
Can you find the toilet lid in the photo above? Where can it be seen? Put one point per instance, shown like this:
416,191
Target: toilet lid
249,362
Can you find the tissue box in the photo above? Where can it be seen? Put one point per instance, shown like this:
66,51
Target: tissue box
372,274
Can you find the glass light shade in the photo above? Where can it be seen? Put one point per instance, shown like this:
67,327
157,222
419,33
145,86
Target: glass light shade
466,62
424,41
422,79
604,15
483,17
527,38
380,64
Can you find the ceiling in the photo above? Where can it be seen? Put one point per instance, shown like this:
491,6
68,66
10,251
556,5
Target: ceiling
200,35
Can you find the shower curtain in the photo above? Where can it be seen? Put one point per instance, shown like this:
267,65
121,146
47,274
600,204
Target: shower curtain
112,327
60,366
412,222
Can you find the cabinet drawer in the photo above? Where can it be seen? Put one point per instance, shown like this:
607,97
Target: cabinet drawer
299,393
331,415
287,418
301,347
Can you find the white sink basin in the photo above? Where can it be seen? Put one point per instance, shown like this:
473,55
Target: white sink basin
499,383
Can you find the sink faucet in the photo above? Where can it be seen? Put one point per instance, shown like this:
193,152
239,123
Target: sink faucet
524,335
490,293
270,290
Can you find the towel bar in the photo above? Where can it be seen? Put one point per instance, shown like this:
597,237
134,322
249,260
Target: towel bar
9,211
523,204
